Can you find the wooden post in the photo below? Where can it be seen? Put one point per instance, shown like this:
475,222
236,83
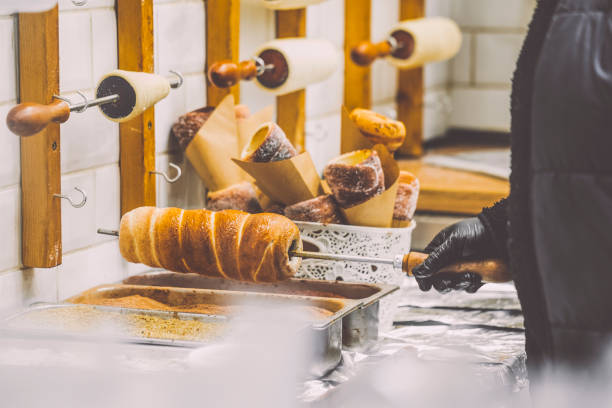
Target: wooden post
357,80
40,154
410,93
137,136
222,41
291,108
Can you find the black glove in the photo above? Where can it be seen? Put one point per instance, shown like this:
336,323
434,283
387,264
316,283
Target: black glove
466,240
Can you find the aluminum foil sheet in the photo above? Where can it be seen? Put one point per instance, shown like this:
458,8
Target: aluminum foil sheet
484,330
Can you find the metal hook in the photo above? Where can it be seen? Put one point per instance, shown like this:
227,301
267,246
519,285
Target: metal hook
72,203
261,65
79,2
165,176
175,85
75,107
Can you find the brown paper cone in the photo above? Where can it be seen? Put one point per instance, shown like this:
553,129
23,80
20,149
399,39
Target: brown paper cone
400,223
351,138
287,181
214,145
378,211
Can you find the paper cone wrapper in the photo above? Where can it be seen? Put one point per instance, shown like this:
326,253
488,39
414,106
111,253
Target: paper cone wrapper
211,150
351,138
286,181
400,223
378,211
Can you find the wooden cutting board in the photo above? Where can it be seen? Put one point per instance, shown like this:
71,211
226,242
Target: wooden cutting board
454,191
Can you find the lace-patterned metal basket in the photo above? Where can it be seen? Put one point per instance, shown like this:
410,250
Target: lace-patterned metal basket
356,240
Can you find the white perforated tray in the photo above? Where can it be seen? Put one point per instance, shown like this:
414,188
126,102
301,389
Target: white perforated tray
363,241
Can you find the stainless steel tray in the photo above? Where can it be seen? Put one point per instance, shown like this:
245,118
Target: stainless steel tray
326,331
359,327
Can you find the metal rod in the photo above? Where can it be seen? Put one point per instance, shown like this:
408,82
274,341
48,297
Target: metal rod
108,232
93,102
341,258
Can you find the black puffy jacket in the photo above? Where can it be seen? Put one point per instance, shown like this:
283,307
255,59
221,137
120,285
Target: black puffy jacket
557,222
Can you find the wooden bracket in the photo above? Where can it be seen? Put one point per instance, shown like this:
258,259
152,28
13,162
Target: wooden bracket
410,93
357,79
291,108
137,136
40,154
222,43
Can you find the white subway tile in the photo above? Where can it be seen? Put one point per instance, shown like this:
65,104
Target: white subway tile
195,89
480,109
385,14
437,74
435,114
496,56
8,62
326,20
75,51
104,37
180,34
9,154
38,285
78,224
254,97
107,199
90,267
88,139
167,111
326,96
10,225
438,8
461,65
494,14
186,192
323,139
384,81
10,292
255,30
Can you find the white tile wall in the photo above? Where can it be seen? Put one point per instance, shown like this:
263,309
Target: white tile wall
9,154
8,85
493,14
496,56
75,51
104,36
10,225
481,109
461,65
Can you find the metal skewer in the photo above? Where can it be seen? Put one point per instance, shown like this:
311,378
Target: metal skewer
108,232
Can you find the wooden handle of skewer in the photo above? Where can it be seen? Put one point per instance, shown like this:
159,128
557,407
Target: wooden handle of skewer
366,52
491,270
27,119
224,74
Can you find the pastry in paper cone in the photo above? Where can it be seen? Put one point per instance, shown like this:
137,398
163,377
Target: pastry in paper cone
379,129
323,209
241,196
268,144
355,177
406,199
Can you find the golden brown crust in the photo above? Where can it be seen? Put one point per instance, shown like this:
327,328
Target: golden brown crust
241,196
379,129
407,197
230,244
355,177
323,209
268,144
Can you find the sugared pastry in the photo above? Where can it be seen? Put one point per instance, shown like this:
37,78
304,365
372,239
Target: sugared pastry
275,208
241,196
268,144
355,177
379,129
407,197
323,209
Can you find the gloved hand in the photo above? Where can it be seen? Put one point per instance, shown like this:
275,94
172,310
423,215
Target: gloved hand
466,240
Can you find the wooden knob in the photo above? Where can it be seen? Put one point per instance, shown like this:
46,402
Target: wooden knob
491,270
27,119
367,52
224,74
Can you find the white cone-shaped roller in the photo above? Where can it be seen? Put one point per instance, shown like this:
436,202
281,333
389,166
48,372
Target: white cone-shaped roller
308,61
435,39
137,91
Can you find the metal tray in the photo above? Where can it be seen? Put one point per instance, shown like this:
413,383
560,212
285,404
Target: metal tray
359,328
326,332
17,325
